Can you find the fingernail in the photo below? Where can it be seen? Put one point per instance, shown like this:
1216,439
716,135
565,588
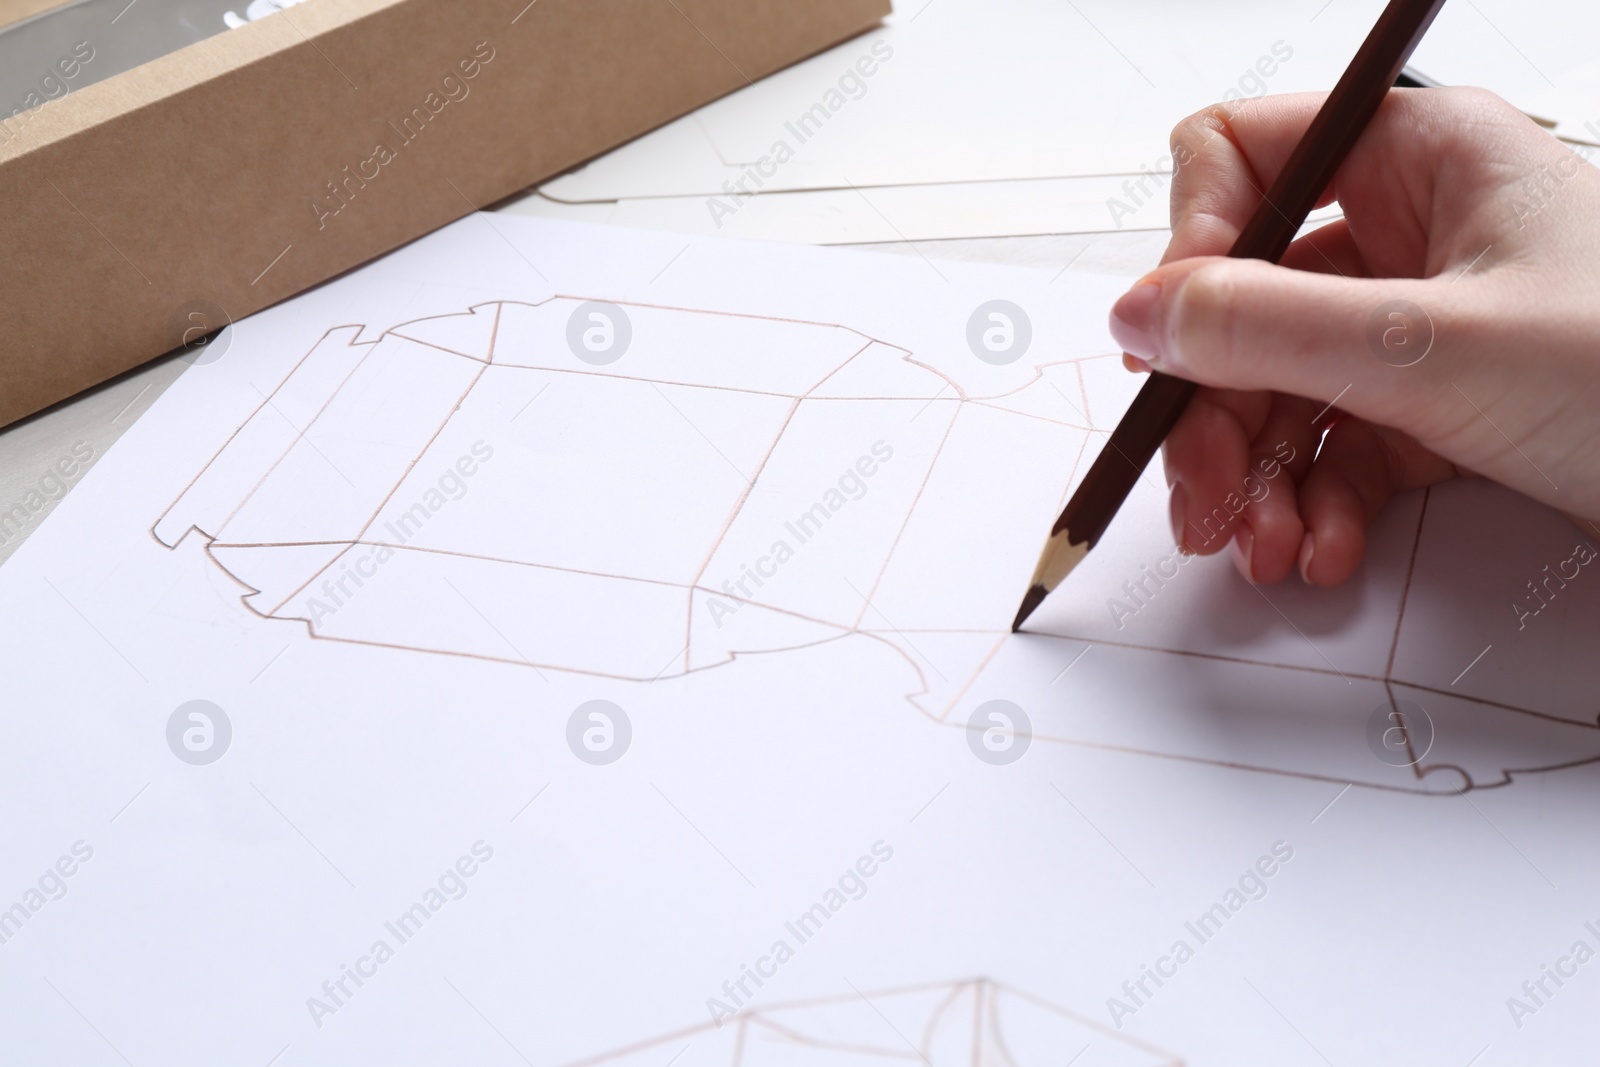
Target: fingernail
1133,320
1176,516
1244,546
1308,548
1135,364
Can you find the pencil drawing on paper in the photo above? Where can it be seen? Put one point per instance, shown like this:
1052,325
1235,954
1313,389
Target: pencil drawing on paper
976,1022
466,485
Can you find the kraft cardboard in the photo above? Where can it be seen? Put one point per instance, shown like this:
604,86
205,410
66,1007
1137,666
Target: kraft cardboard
17,10
149,208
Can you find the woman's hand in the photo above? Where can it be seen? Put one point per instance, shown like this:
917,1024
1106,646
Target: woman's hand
1448,325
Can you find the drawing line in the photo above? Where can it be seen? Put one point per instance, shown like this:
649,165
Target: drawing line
792,1023
405,331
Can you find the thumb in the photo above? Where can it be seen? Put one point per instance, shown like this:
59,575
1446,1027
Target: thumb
1248,324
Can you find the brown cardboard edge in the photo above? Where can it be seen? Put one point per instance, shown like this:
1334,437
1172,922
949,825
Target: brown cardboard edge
191,67
14,11
584,162
145,93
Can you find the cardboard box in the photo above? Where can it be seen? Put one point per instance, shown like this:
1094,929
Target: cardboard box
139,211
17,10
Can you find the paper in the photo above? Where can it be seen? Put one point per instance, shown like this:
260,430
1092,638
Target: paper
564,644
1062,132
933,212
972,1022
1065,91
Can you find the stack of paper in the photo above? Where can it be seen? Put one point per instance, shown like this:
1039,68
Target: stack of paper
984,118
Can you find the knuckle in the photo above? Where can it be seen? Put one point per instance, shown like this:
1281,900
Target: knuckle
1202,226
1192,134
1187,128
1206,319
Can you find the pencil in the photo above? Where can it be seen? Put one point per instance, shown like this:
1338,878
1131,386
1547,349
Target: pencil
1309,171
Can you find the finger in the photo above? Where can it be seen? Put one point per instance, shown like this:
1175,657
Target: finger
1228,456
1359,467
1206,458
1329,249
1267,541
1244,324
1224,158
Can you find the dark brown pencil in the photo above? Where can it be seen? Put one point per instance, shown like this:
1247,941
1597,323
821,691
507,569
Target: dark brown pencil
1309,170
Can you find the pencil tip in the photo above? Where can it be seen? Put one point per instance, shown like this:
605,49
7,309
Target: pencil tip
1034,597
1059,557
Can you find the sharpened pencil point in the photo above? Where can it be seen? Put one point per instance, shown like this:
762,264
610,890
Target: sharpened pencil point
1034,597
1281,212
1060,555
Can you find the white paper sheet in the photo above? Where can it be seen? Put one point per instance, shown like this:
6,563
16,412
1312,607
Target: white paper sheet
964,91
934,212
980,118
411,526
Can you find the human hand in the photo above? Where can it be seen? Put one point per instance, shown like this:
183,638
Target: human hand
1448,325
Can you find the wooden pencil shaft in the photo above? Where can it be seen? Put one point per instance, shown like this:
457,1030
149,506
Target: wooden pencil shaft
1307,173
1334,130
1127,452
